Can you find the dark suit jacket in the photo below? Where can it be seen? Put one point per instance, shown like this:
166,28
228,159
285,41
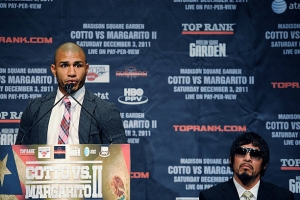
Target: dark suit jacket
90,131
227,191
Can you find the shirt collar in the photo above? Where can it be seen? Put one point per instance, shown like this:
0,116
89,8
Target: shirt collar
241,189
78,96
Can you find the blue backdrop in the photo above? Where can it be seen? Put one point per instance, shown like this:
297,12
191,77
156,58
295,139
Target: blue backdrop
188,76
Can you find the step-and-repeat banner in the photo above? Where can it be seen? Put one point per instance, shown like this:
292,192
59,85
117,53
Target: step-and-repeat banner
188,76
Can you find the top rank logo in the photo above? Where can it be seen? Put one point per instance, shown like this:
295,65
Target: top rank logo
208,29
27,152
26,40
290,164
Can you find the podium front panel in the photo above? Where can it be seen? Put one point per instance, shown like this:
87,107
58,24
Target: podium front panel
90,171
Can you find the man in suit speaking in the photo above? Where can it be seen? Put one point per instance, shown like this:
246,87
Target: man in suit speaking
77,116
249,158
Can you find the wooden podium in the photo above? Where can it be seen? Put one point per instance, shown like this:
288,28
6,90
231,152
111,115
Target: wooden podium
85,171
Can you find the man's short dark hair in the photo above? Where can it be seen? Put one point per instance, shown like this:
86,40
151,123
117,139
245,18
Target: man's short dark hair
257,141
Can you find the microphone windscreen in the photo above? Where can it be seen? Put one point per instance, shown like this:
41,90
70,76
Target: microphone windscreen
68,87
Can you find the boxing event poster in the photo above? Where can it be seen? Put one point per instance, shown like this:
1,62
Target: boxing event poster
188,77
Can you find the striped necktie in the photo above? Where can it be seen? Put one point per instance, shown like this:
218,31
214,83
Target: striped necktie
65,123
247,195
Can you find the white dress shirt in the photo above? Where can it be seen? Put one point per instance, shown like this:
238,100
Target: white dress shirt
57,114
241,190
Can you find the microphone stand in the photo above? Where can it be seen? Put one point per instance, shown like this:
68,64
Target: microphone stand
40,119
68,88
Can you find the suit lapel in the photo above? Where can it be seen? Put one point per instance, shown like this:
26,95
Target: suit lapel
85,118
229,191
264,191
46,105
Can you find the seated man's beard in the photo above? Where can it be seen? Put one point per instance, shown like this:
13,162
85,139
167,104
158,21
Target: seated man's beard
245,178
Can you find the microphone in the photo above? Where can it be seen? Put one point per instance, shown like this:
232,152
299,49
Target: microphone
33,125
68,88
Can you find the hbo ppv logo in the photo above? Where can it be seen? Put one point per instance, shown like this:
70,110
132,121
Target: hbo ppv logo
133,96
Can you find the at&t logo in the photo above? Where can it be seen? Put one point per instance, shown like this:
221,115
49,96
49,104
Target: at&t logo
280,6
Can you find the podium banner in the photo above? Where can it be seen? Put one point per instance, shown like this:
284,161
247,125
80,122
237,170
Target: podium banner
86,171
